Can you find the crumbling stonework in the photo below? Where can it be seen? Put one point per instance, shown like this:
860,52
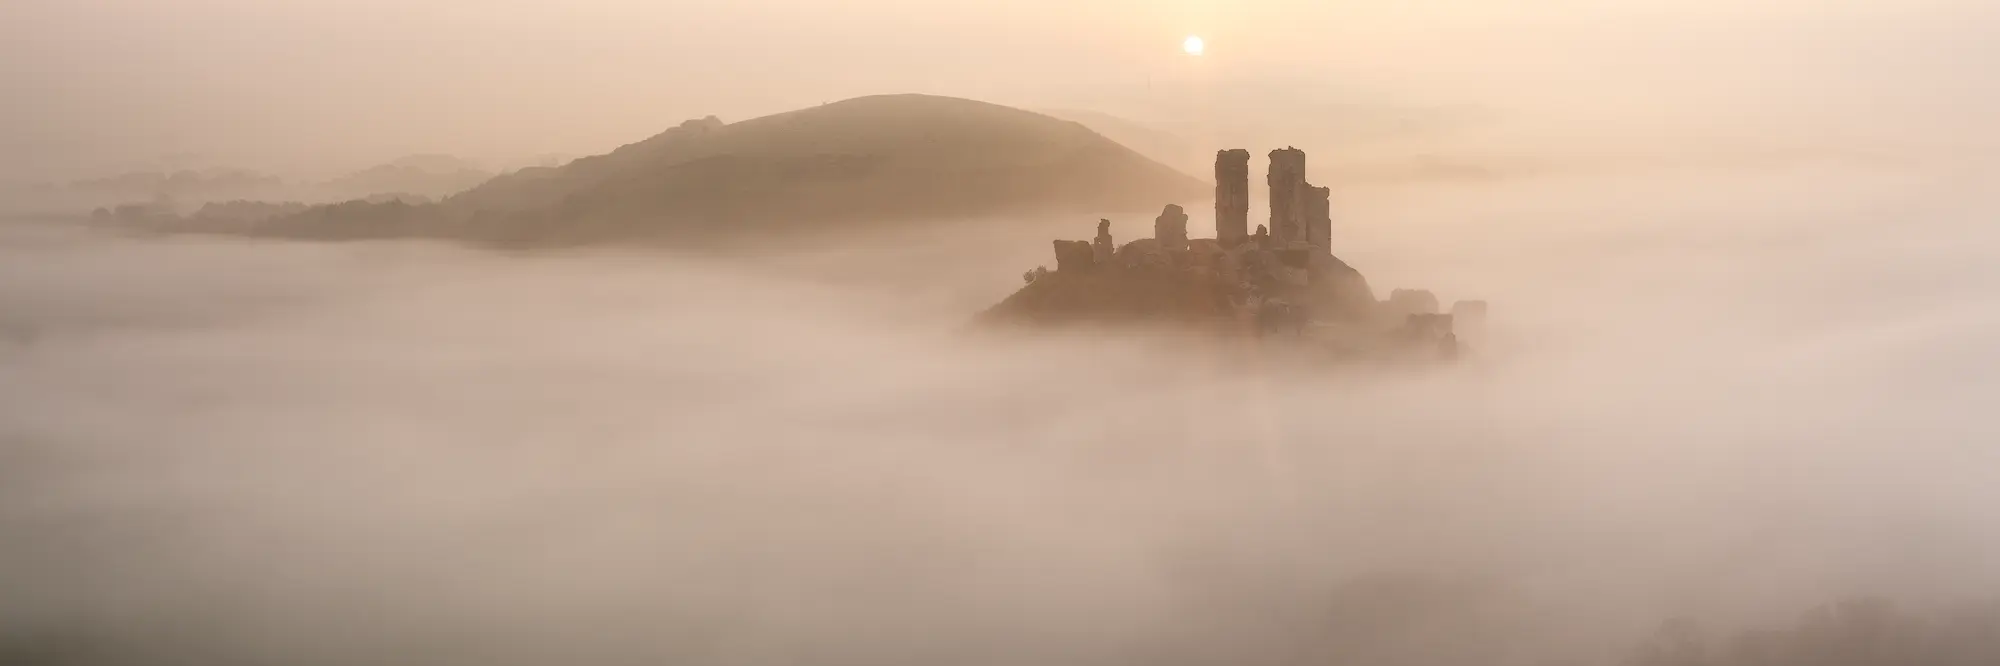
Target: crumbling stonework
1317,209
1232,196
1170,228
1102,248
1287,178
1074,257
1281,278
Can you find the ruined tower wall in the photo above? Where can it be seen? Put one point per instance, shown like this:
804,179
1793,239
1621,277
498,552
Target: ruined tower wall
1102,248
1232,196
1170,228
1074,257
1318,214
1287,179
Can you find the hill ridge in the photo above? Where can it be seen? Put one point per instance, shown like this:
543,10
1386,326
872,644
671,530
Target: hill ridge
877,159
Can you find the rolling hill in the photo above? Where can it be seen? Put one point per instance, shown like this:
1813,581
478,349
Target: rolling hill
870,160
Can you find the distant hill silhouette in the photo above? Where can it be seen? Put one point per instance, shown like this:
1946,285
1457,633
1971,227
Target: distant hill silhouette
423,175
219,184
881,159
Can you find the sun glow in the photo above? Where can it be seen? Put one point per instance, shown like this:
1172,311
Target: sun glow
1193,45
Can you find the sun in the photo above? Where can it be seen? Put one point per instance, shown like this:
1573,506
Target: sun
1193,45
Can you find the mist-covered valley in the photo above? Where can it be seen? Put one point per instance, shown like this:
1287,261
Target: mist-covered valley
1730,396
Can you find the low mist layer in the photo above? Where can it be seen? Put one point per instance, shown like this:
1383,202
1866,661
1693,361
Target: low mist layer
1729,397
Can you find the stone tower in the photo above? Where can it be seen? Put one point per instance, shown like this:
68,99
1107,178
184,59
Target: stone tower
1287,179
1232,196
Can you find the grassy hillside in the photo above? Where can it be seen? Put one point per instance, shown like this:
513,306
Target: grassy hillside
870,160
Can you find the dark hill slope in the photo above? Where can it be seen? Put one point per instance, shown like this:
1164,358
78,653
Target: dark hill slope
867,160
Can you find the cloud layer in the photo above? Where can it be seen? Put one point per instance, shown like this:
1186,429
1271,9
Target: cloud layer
1724,395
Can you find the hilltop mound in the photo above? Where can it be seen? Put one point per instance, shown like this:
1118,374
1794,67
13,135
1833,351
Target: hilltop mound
866,160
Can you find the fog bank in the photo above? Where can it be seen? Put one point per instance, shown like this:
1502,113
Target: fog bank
1727,396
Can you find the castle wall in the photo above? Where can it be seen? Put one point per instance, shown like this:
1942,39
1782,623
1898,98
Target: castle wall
1074,257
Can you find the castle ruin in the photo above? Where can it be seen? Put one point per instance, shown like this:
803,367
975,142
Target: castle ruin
1287,179
1301,214
1232,197
1299,233
1283,277
1170,228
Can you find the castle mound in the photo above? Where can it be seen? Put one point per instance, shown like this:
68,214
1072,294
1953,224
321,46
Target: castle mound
869,160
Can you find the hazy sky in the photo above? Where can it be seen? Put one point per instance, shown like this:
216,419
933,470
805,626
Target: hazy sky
322,82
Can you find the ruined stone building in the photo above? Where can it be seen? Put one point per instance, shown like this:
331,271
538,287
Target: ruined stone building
1301,214
1101,248
1287,180
1170,229
1232,196
1074,256
1317,206
1298,236
1283,277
